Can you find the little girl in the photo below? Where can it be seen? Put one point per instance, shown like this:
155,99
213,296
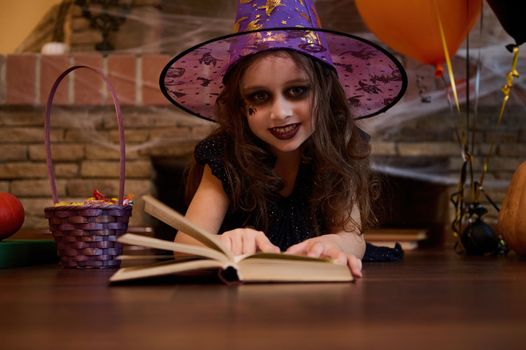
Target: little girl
287,168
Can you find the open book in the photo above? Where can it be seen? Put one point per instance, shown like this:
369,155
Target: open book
259,267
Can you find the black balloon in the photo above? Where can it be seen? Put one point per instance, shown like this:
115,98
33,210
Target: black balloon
511,15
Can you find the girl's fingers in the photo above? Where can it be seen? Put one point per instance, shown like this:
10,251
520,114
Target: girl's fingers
249,244
336,255
226,241
315,250
247,241
297,248
237,244
355,265
263,243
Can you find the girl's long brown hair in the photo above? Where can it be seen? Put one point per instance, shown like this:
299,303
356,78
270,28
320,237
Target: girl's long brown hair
337,150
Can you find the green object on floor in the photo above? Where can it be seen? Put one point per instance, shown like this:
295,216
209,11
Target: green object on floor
14,253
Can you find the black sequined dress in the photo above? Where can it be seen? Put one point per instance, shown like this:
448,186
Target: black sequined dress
289,217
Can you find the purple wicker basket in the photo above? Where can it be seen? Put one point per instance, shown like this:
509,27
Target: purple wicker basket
86,235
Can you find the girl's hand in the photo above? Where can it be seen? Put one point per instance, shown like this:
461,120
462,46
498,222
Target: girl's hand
247,241
318,247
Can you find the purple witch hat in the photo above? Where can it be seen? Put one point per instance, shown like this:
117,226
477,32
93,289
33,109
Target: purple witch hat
372,78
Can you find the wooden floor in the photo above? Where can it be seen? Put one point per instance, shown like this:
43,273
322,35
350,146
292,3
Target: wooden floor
431,300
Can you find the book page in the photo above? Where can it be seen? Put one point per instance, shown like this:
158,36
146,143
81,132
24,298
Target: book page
171,217
156,243
279,256
165,268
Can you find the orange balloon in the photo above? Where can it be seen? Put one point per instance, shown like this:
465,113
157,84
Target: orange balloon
411,27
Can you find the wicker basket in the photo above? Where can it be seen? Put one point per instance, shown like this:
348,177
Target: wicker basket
86,235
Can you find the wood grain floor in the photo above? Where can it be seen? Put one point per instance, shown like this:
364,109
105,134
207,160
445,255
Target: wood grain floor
433,300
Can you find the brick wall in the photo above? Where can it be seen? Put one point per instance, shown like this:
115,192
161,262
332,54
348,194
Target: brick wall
27,79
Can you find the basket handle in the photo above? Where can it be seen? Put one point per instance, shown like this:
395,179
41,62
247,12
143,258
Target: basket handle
47,128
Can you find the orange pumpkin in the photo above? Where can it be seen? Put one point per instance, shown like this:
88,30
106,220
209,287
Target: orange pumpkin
512,215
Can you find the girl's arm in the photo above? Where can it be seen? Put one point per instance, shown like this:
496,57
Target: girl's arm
208,209
351,242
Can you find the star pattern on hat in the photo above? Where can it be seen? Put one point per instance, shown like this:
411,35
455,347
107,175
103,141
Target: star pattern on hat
270,6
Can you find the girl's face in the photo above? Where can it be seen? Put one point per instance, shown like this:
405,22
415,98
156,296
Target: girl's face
278,100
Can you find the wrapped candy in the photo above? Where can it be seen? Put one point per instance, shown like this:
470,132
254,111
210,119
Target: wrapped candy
98,198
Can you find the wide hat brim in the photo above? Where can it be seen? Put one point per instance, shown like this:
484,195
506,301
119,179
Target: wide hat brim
373,79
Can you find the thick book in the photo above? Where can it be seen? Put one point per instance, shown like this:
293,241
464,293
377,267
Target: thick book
258,267
409,239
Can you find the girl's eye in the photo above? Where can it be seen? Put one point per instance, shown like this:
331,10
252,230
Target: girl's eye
297,91
258,97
